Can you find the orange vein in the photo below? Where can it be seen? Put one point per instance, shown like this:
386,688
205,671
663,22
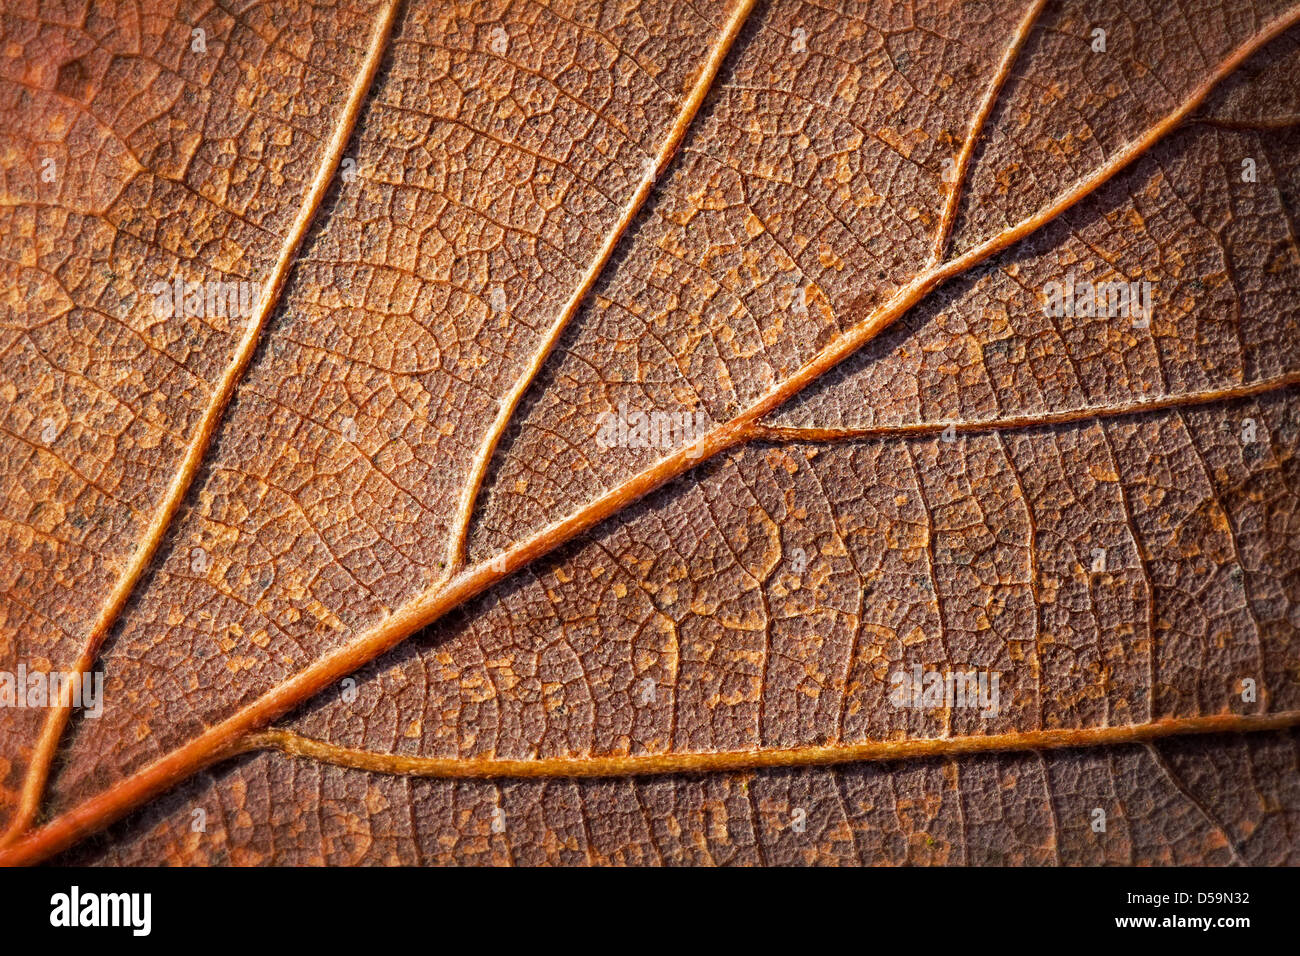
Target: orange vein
227,737
1008,422
1009,55
1264,124
685,116
57,718
1130,151
816,755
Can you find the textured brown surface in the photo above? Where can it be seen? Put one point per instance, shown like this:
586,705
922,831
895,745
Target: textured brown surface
167,163
1170,804
665,239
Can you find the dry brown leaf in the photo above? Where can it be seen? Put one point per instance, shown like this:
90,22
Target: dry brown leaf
373,575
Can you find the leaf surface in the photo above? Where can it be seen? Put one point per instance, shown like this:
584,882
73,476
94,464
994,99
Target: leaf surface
826,234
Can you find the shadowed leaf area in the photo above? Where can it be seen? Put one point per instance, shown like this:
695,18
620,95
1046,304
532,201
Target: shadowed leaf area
661,433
